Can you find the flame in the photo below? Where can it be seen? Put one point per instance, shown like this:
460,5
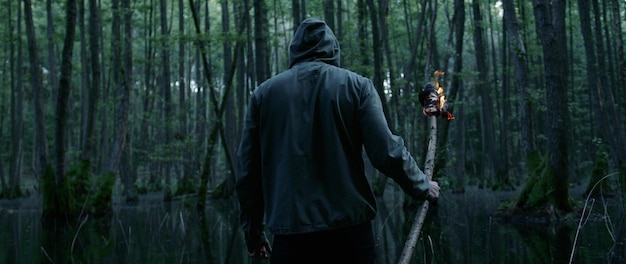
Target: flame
442,98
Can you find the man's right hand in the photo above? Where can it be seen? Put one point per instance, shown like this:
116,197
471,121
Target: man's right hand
260,251
433,191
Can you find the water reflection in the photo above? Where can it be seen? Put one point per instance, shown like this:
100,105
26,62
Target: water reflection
460,229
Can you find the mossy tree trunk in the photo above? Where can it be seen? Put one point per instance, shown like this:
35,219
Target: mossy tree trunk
540,195
546,191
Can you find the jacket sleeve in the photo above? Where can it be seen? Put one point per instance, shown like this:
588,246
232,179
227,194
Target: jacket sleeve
248,179
387,151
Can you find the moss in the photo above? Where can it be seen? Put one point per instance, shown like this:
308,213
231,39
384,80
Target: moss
538,198
531,192
59,198
101,201
77,192
77,180
48,191
184,186
600,169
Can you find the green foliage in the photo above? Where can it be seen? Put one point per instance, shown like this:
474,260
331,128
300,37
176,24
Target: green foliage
77,193
66,196
185,186
600,169
101,203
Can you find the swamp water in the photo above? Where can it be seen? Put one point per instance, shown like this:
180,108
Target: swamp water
460,229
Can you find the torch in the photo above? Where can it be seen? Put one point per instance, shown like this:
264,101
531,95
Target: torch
434,105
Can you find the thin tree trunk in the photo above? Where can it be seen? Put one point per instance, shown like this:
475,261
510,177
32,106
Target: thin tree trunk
519,57
242,87
167,94
40,131
17,111
185,184
619,43
144,137
410,66
261,39
52,57
362,36
339,28
123,94
302,10
606,99
457,85
93,90
64,90
329,13
218,110
490,158
85,71
230,114
295,11
378,57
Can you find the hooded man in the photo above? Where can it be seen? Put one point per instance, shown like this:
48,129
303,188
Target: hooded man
300,167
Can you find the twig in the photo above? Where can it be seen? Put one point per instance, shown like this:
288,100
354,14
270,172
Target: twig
46,254
580,222
126,239
77,231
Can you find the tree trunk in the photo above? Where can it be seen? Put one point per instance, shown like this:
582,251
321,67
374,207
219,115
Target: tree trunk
457,85
52,57
329,13
339,27
243,86
261,34
185,183
490,158
547,187
611,112
227,188
93,90
17,113
64,91
121,143
41,141
229,110
519,57
596,85
144,137
167,95
295,11
619,43
378,56
363,60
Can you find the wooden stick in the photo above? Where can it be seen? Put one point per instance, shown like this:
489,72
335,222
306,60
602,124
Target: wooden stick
429,167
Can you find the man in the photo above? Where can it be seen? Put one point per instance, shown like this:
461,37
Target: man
299,165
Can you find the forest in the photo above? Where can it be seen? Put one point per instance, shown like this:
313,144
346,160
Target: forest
112,99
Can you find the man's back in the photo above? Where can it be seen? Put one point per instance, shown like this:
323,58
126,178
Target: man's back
310,148
299,164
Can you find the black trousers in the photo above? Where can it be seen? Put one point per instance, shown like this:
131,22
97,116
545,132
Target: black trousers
349,245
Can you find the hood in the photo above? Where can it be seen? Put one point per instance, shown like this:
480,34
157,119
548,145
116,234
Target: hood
314,40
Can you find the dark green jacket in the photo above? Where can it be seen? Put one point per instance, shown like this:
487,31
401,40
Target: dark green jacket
300,161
